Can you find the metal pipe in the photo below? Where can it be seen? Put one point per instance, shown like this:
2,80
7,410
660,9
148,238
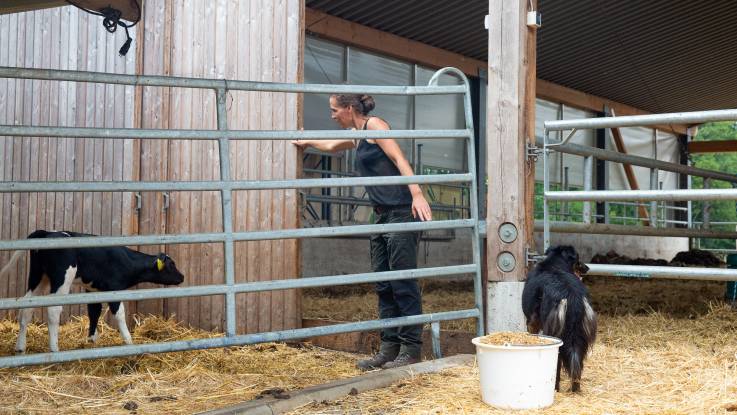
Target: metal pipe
645,195
435,336
601,154
654,205
173,81
227,212
546,190
171,134
588,178
6,187
675,273
365,202
220,289
609,229
471,151
239,340
214,237
706,208
329,172
695,117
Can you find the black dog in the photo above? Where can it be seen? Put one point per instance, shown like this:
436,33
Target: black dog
555,301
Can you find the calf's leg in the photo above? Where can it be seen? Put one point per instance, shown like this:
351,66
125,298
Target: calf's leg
54,312
118,310
37,282
93,312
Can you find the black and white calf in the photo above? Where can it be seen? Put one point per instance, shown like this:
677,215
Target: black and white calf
96,269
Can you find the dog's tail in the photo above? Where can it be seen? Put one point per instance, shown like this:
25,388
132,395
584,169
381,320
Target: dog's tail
573,320
555,321
11,263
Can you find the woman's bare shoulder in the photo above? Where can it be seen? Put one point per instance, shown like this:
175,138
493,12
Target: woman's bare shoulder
377,123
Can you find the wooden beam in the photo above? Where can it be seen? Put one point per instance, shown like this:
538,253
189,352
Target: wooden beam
507,131
19,6
631,179
567,96
530,95
720,146
342,30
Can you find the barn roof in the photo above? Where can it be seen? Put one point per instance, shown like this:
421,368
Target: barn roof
659,55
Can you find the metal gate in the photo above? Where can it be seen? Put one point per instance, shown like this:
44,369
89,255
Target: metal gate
588,195
226,186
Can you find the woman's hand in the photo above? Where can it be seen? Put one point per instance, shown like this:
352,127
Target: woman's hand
420,208
301,143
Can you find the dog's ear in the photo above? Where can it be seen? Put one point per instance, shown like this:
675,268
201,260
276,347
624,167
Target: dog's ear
569,254
550,250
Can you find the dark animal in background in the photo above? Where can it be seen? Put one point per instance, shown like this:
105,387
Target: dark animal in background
556,302
96,269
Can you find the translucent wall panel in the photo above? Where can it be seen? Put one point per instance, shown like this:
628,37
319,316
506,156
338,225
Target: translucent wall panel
440,112
323,65
668,150
370,69
638,141
548,111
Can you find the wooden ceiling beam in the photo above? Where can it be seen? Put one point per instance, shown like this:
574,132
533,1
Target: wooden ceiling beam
720,146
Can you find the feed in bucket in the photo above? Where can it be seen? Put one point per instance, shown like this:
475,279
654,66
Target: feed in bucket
517,370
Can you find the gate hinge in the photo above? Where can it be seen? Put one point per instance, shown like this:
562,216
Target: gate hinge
532,151
532,257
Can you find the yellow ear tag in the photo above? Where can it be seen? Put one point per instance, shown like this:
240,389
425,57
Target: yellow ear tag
159,264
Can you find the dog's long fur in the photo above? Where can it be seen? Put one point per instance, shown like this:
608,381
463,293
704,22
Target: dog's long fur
556,302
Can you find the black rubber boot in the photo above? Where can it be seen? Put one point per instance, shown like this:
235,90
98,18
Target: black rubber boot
387,353
407,355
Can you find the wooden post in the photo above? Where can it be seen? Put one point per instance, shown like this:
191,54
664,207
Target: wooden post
510,126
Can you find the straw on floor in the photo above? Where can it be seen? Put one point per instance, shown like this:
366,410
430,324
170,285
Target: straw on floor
170,383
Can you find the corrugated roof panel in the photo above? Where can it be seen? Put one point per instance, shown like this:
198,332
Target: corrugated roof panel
659,55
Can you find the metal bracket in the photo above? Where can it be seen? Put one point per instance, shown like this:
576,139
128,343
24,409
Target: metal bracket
532,257
138,201
532,151
166,201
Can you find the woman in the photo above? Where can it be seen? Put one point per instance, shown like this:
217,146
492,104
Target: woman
392,204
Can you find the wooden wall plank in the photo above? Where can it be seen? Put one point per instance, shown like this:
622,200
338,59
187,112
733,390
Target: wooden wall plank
294,72
266,16
52,39
154,153
254,153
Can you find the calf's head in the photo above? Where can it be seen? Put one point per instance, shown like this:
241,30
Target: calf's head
166,271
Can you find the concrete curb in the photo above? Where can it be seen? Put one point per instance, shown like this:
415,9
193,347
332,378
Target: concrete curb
340,388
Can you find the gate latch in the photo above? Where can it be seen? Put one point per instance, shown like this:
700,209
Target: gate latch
532,257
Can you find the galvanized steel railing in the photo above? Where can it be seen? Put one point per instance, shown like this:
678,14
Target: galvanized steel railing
226,186
588,195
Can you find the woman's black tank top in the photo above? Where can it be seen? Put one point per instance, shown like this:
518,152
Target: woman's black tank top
371,161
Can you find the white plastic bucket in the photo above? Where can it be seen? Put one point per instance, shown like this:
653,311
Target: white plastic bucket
517,377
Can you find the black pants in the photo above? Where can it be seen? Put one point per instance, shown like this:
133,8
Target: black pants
390,252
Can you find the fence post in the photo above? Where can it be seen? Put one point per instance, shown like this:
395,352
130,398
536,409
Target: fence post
226,196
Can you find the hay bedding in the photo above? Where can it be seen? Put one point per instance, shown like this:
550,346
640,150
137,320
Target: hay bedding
170,383
664,347
642,364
